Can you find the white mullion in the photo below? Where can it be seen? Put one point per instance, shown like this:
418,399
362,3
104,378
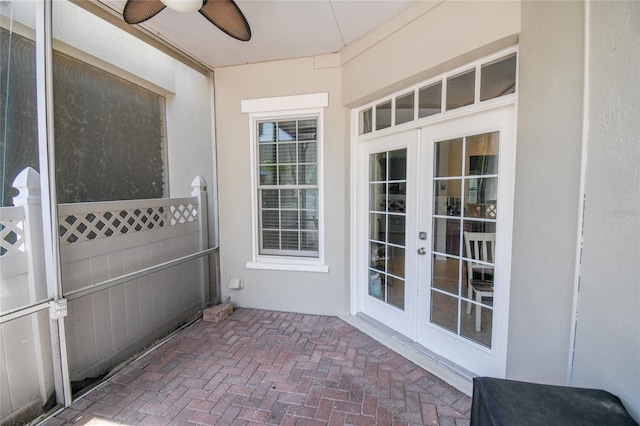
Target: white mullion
476,93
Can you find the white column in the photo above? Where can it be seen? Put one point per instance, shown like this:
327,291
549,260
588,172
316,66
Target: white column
28,185
200,193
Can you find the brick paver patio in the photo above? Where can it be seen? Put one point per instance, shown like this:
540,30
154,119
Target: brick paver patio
260,367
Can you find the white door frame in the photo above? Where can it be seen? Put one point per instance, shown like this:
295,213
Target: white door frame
503,255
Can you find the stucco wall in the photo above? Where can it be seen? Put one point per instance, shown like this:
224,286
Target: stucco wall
309,292
434,37
546,209
399,53
607,352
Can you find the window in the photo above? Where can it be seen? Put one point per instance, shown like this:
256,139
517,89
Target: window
489,79
286,138
288,186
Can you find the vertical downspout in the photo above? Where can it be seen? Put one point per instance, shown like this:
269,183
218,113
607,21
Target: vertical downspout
46,159
213,195
582,195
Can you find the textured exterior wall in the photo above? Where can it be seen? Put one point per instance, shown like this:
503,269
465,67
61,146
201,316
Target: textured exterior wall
608,326
308,292
546,210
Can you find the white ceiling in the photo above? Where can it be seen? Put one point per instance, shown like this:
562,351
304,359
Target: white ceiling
281,29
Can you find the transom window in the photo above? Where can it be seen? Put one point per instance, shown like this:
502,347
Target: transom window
461,88
288,186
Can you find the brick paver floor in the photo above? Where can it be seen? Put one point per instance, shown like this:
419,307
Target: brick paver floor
260,367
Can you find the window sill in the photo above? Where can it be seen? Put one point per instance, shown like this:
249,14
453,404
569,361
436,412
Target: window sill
283,265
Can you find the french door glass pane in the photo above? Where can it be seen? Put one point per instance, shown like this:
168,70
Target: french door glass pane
446,274
387,226
465,192
444,311
448,158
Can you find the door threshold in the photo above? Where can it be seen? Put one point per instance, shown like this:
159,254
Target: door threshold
449,372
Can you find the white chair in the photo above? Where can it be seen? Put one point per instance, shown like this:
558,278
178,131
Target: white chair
480,247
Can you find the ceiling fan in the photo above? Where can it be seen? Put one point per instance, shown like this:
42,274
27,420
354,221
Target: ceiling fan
224,14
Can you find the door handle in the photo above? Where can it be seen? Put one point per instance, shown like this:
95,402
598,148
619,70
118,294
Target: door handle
422,251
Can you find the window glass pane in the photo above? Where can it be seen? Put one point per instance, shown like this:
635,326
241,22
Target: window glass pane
289,198
309,199
290,240
269,198
286,153
267,132
287,175
498,78
287,131
430,100
289,219
270,219
461,90
448,158
309,219
267,175
267,154
308,130
307,152
309,241
405,108
366,121
271,240
383,115
307,175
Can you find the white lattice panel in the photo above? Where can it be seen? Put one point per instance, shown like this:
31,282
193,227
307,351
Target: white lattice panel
11,237
80,227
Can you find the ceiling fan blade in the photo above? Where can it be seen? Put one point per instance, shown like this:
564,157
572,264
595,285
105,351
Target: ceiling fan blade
226,15
136,11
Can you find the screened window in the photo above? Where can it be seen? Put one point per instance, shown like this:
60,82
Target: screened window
288,187
109,133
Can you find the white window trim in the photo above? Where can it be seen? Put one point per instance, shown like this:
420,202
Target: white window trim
290,107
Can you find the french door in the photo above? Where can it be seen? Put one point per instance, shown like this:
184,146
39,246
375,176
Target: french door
388,178
437,236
